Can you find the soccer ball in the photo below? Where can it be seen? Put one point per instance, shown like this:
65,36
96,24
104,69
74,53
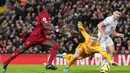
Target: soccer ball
105,68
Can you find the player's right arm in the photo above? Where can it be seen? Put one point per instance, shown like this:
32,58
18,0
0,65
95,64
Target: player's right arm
100,28
103,25
83,32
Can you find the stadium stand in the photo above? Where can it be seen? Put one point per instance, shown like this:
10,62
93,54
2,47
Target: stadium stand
18,21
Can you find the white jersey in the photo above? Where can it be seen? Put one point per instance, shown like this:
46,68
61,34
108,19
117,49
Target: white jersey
110,24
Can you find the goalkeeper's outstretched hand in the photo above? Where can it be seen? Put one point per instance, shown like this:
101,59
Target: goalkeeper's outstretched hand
80,25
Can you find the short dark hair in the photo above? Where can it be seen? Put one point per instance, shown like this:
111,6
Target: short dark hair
117,9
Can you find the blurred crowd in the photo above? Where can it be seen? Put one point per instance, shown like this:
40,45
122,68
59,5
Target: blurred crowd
18,22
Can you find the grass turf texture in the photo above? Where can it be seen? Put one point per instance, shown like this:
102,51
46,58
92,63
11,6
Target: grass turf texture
73,69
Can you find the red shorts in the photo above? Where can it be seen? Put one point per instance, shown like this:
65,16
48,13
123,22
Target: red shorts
33,40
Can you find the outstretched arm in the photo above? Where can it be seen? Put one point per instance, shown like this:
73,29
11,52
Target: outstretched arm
106,55
49,27
82,30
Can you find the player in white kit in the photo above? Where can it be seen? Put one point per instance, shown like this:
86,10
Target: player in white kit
106,28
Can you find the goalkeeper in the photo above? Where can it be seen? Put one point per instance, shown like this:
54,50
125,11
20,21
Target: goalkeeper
86,49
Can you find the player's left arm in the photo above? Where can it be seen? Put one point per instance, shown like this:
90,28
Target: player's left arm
106,55
50,27
114,33
101,51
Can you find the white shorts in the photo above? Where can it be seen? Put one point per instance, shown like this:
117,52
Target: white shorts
105,42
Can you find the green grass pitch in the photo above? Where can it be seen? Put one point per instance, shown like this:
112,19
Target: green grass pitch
73,69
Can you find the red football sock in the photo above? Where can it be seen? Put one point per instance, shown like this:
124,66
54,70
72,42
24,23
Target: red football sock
14,55
53,53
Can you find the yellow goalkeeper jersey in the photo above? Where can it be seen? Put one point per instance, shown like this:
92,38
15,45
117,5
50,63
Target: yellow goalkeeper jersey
89,49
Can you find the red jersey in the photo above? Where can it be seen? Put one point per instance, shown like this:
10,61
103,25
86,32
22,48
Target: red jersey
43,17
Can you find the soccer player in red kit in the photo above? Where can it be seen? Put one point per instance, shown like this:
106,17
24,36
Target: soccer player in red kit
38,37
